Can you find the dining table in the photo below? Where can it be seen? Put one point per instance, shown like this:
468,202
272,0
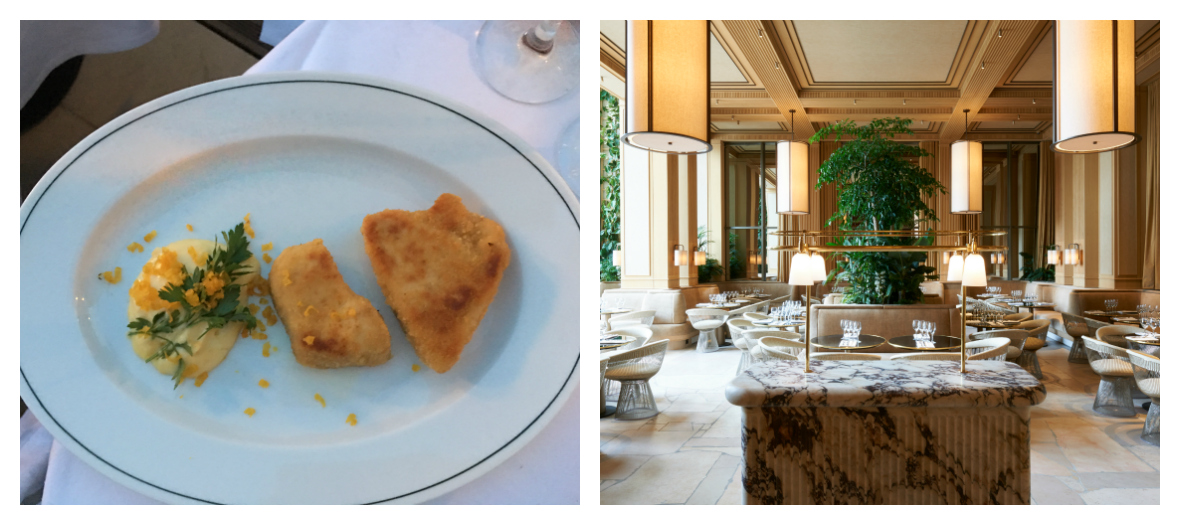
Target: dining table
839,342
434,56
935,343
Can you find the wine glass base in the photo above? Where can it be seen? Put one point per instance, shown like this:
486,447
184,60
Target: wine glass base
518,72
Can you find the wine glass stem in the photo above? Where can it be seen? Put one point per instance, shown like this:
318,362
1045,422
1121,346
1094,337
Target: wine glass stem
540,38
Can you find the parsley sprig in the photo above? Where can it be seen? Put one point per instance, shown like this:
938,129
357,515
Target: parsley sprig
227,263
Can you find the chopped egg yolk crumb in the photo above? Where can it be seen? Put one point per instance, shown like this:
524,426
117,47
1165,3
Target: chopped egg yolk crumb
269,314
245,333
265,349
151,235
268,246
309,340
213,285
351,420
166,266
113,277
266,257
321,400
135,247
249,412
263,383
415,367
263,301
188,227
191,298
249,228
200,380
198,258
259,336
253,309
308,310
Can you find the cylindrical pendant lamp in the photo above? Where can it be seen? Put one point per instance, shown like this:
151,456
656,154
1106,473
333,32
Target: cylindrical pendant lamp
668,85
791,160
1093,85
966,175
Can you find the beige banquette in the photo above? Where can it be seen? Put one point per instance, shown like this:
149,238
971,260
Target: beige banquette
671,321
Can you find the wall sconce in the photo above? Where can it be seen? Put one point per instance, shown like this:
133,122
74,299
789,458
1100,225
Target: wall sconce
679,255
700,256
946,258
755,258
616,258
1053,256
998,258
1073,255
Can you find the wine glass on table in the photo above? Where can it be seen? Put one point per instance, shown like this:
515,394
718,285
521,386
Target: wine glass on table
530,61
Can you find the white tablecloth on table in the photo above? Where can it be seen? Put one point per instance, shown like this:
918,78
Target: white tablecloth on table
435,56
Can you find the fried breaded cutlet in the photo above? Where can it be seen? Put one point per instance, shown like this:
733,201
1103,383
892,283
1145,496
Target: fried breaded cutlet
439,269
329,325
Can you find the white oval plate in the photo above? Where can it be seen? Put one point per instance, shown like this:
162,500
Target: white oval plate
308,155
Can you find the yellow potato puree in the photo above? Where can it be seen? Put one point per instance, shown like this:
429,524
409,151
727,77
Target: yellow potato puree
208,351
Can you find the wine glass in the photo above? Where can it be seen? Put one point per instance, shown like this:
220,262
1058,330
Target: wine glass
530,61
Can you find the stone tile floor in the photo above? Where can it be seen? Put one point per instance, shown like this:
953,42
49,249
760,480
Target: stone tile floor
691,452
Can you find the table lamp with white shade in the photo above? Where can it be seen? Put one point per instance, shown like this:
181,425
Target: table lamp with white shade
802,270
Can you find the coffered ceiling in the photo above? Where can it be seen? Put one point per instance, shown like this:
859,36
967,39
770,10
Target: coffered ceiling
928,71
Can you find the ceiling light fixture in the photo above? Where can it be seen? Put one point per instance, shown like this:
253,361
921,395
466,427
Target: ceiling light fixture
759,33
966,174
791,158
1001,35
776,64
667,79
1094,85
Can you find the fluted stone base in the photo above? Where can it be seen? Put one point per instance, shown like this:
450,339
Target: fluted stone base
894,455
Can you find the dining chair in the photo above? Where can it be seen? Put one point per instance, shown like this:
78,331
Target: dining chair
736,328
1038,330
1015,338
776,348
707,320
1022,316
1116,375
1076,327
753,349
641,317
633,369
642,335
1116,334
602,385
755,316
1146,368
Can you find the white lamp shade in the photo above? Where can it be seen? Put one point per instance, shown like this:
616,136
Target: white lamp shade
1051,257
966,177
700,258
794,193
974,273
955,268
1094,85
800,271
680,256
617,257
946,257
819,271
668,85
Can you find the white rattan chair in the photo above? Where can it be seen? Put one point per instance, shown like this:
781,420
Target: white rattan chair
779,349
737,326
1116,334
1116,375
1147,375
1023,316
642,335
633,368
642,317
1015,338
707,320
755,352
602,385
755,316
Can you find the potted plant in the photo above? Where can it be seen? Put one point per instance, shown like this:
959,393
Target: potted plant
879,188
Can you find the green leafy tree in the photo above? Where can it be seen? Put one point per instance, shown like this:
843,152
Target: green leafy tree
609,229
712,267
880,188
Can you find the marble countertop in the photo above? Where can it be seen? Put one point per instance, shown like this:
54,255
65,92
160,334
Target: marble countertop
894,383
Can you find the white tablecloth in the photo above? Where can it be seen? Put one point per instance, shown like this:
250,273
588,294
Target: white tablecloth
430,55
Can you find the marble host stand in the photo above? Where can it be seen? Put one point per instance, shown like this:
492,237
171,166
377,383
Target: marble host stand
885,432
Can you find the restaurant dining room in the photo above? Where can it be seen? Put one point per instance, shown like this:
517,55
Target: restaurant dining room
879,262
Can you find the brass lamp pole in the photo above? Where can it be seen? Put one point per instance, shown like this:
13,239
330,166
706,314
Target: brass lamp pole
974,274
